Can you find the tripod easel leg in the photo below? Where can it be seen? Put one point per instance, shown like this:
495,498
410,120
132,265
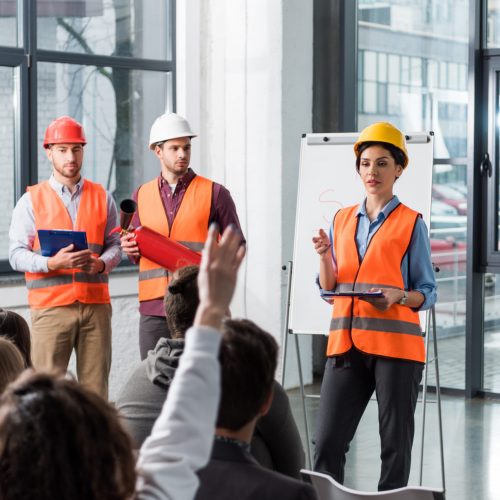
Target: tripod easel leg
303,398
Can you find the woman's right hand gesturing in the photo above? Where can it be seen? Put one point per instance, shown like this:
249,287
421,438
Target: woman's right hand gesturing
327,266
321,242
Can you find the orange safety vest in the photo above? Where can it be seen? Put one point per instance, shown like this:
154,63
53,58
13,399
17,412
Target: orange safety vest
190,227
65,286
394,333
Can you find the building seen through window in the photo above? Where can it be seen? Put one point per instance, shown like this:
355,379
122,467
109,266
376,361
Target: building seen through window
413,72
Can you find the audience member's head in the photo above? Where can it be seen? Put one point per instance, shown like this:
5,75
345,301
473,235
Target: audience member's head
11,363
248,358
14,327
182,300
59,440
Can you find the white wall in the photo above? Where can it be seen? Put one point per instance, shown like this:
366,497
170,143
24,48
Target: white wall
244,80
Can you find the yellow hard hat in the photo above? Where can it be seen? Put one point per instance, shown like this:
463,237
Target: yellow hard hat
383,132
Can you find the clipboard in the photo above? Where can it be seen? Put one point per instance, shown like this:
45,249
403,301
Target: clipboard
52,240
352,294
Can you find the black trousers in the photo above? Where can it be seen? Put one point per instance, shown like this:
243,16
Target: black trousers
348,383
151,329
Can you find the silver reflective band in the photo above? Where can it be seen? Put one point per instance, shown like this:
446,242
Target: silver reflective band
193,245
66,279
376,324
152,274
91,278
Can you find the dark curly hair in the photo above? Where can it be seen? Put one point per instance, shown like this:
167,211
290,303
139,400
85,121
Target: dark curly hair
182,300
61,441
14,327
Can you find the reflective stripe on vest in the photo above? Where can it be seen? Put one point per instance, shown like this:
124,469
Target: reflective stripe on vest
65,286
190,227
392,333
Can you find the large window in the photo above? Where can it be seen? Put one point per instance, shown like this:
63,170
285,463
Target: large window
8,99
412,71
107,63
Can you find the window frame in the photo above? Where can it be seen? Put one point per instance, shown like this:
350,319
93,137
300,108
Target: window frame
26,57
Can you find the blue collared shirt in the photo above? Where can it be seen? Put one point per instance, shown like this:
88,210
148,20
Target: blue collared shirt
416,268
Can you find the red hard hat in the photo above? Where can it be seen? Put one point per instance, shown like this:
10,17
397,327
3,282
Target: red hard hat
64,130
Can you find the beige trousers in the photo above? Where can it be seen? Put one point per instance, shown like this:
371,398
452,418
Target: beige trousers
56,331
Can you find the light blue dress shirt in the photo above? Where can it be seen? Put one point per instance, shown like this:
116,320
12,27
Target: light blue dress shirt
416,268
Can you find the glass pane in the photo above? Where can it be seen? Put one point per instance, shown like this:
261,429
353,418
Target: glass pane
8,23
135,28
493,24
370,66
449,252
394,68
8,98
427,58
491,374
497,134
432,74
117,108
370,97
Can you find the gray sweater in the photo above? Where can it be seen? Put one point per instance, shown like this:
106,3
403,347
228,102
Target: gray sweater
276,443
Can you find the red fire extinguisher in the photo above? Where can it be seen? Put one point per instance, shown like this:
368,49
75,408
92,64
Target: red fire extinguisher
160,249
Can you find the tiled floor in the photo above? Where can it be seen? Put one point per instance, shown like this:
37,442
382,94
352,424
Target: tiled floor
471,447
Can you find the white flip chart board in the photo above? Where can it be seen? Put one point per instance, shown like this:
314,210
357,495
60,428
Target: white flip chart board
328,181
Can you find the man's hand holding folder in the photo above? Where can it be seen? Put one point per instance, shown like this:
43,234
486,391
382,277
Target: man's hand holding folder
83,259
66,258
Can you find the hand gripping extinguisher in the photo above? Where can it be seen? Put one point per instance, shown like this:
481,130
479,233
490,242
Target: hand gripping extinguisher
160,249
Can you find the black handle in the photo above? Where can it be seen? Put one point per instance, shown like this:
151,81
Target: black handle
485,167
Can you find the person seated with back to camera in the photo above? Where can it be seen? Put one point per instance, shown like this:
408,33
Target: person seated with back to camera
59,440
276,441
248,358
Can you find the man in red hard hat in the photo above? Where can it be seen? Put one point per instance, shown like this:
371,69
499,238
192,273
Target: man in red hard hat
68,291
179,204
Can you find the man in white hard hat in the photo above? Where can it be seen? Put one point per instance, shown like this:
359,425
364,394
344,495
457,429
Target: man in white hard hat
179,204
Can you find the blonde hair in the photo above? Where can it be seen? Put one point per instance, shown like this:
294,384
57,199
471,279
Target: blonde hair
11,363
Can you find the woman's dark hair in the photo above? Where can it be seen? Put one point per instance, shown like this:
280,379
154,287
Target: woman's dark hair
14,327
248,357
182,300
60,440
11,362
397,155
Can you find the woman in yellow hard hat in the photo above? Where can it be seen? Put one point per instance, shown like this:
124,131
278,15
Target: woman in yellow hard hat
380,250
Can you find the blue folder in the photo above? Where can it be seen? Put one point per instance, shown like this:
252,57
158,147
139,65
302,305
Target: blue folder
52,240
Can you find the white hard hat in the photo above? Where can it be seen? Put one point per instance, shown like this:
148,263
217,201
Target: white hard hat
169,126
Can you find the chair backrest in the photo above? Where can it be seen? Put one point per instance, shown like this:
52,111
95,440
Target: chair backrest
328,489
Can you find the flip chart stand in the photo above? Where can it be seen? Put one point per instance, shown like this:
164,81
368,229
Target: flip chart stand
304,396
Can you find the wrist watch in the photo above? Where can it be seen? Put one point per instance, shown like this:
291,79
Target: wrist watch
404,298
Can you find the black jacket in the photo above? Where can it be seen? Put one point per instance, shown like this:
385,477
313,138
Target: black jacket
233,474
